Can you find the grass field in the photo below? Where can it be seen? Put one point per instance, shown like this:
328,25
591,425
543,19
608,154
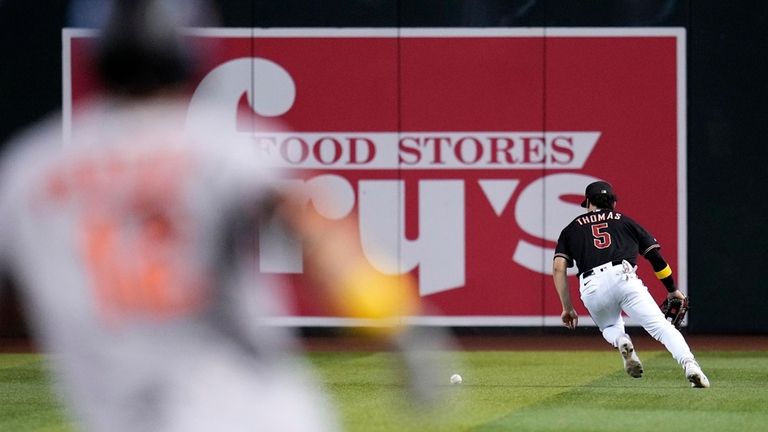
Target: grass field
502,391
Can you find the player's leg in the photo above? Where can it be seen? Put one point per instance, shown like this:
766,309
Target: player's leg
638,304
600,301
602,297
632,364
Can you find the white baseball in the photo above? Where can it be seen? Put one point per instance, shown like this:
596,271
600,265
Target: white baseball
456,379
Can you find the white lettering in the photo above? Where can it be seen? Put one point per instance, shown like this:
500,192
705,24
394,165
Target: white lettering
555,214
280,252
439,250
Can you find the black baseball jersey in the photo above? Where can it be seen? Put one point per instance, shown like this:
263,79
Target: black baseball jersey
602,236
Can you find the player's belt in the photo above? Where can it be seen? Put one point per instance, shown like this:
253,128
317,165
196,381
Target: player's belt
590,272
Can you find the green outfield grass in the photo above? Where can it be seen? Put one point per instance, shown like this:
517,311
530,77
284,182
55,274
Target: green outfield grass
502,391
27,402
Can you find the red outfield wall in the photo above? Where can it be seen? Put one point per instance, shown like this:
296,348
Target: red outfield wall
463,152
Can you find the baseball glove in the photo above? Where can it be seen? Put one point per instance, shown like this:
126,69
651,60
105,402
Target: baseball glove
674,310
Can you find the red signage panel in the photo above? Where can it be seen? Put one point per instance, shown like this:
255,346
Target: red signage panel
462,152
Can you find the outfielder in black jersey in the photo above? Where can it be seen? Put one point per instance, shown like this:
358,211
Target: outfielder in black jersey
603,236
604,244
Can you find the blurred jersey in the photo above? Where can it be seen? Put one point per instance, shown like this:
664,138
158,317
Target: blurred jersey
132,240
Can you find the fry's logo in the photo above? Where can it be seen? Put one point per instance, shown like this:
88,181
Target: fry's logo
439,251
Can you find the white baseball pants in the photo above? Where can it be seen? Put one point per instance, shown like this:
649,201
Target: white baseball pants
612,289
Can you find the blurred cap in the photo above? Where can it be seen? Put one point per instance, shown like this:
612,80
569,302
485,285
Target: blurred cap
141,50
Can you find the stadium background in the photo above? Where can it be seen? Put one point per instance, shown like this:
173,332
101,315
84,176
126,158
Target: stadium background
726,72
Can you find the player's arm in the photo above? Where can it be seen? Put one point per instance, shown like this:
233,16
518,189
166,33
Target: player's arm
663,272
560,275
335,262
649,249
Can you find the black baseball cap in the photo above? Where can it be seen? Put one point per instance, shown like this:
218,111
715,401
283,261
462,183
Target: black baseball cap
596,188
141,49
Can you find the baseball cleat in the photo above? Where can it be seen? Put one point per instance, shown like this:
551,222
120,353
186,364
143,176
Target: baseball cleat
632,363
695,375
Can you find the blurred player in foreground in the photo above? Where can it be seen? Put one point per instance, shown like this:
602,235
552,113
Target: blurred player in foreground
605,244
134,241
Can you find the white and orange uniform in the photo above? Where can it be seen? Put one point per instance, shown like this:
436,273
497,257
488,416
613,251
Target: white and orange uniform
123,242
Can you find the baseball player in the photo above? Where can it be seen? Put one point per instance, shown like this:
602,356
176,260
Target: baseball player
135,245
605,244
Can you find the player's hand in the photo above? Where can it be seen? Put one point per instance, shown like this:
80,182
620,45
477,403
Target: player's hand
570,318
676,294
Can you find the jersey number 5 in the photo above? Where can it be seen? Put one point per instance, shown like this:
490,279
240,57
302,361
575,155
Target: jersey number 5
602,238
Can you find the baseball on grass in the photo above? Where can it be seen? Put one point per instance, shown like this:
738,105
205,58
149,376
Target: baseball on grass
456,379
